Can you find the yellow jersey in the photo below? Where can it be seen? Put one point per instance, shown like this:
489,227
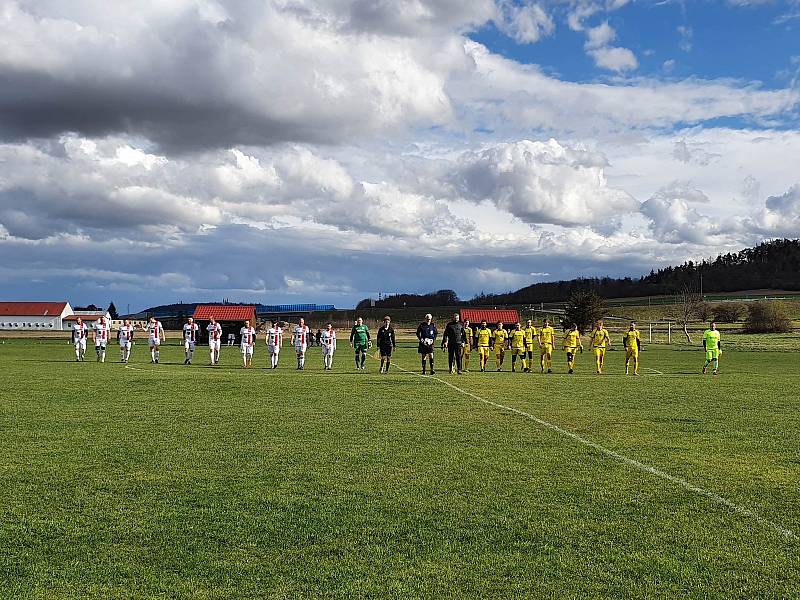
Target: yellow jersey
484,334
631,339
500,337
530,335
468,332
547,335
600,338
572,339
518,338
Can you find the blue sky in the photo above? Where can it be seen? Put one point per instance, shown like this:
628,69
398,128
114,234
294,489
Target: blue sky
328,150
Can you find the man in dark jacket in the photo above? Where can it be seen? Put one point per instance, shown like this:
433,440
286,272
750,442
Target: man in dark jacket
454,338
386,343
426,334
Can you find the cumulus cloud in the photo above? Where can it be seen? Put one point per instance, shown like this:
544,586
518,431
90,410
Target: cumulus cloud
614,59
542,182
673,220
168,72
780,215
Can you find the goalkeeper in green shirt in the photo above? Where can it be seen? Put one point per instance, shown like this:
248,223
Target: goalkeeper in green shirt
360,341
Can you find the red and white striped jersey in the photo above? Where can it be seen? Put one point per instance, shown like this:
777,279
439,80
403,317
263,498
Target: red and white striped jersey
300,335
274,336
102,329
248,336
154,331
328,339
190,332
214,331
79,331
126,333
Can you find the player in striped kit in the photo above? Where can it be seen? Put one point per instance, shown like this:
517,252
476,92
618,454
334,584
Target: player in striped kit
300,342
101,333
274,343
214,340
125,338
248,343
190,330
327,340
79,339
155,335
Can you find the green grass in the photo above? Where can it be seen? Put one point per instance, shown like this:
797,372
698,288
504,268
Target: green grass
166,481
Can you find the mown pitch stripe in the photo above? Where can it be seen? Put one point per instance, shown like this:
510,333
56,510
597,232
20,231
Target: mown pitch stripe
740,510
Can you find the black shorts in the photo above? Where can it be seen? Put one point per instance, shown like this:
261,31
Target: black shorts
425,349
385,350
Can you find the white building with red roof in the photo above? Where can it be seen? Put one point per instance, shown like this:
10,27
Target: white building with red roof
34,316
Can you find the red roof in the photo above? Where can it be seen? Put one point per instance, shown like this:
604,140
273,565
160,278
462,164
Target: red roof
225,312
476,315
32,309
87,316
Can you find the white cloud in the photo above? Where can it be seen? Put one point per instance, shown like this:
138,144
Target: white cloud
526,23
543,182
600,36
686,34
614,59
780,215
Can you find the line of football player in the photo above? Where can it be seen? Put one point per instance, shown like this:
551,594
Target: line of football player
524,343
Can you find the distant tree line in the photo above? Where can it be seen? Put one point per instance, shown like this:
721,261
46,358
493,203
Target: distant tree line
773,264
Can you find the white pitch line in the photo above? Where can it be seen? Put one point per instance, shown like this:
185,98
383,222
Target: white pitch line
740,510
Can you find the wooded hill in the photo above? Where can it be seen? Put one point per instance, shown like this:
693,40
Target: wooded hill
773,264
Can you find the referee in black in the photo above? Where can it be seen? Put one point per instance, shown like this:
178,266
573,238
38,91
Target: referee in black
386,343
454,338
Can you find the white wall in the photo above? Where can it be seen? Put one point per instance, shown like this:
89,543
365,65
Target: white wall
30,323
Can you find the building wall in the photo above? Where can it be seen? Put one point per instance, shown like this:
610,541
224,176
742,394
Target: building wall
31,323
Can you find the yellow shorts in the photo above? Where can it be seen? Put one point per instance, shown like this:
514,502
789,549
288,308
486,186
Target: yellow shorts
465,350
571,349
483,351
546,349
517,351
632,353
600,352
530,347
712,354
499,350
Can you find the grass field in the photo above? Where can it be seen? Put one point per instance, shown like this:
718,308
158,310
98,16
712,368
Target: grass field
168,481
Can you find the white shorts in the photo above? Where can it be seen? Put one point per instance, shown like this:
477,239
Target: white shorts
214,344
100,345
301,348
188,345
247,349
327,350
81,343
125,344
274,349
153,343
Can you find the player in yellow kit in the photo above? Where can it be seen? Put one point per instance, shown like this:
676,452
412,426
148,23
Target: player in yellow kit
530,342
547,341
572,342
500,336
713,348
600,341
483,340
632,340
517,343
467,348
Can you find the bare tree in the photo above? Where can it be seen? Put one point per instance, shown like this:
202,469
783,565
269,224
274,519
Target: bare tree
687,306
